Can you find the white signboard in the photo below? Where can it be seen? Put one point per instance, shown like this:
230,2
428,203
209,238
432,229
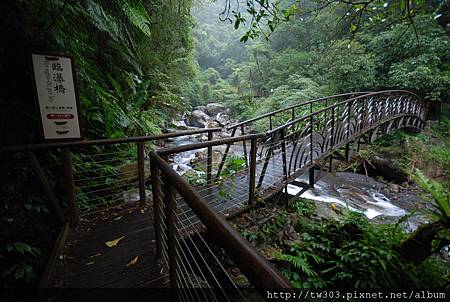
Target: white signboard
57,97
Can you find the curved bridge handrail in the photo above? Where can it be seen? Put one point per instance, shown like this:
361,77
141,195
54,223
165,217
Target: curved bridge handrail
312,138
308,116
359,93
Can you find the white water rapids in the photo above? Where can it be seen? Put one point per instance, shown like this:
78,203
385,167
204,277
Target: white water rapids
357,193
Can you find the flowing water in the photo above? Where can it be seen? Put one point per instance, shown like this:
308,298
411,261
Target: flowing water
353,191
181,162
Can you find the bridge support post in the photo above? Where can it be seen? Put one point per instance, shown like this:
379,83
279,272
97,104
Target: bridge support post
252,186
244,145
209,160
53,201
285,172
157,204
311,177
224,158
141,171
171,223
347,151
70,183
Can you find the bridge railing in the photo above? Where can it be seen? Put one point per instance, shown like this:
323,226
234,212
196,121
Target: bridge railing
196,243
302,142
85,176
277,118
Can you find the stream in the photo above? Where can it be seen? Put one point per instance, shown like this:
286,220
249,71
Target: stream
381,202
181,162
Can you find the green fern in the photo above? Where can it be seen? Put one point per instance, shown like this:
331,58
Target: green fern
138,16
298,261
441,198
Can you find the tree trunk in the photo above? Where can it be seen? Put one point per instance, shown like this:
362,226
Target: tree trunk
417,248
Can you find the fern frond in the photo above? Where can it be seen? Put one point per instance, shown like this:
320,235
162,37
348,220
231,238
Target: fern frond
138,16
440,197
298,262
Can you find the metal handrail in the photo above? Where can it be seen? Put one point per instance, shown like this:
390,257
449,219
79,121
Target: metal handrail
305,117
106,141
295,106
259,271
217,142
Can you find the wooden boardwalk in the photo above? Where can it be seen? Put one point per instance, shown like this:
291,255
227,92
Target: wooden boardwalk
87,262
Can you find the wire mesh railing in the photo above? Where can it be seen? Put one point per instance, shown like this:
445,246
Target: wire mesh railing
95,174
197,246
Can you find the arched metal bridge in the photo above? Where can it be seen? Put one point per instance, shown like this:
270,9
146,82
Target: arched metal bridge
186,242
296,140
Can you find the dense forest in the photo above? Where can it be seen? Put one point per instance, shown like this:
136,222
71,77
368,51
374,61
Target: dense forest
318,54
141,65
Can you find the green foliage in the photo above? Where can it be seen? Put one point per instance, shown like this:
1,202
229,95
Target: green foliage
440,197
420,74
349,67
404,62
20,258
370,47
233,165
351,253
35,204
134,58
304,207
269,229
195,177
266,229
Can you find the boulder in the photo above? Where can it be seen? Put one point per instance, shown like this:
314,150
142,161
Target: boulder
199,119
223,119
201,108
215,108
181,125
212,124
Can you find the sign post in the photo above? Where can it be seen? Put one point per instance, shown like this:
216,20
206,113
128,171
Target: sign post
57,95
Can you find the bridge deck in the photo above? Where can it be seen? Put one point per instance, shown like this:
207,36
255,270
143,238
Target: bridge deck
86,261
231,196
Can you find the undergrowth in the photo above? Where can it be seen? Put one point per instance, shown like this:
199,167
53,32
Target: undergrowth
352,253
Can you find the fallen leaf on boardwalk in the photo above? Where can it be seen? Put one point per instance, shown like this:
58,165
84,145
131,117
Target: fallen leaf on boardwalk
117,218
90,263
133,261
96,255
114,242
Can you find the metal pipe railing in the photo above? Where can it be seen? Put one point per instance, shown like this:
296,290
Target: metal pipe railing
258,270
106,141
99,174
349,102
310,102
